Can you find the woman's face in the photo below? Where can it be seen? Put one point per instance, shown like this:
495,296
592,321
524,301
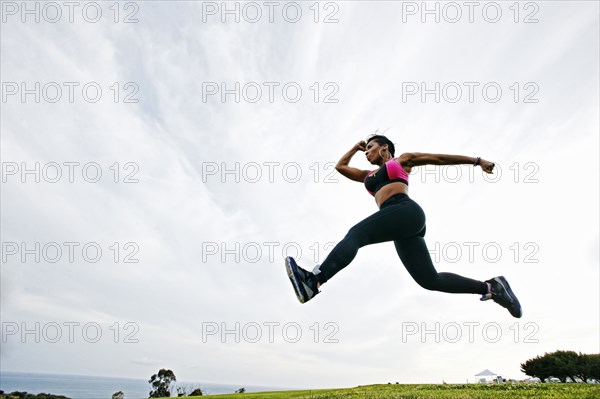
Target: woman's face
373,152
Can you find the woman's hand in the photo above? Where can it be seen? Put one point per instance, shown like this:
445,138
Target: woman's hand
487,166
348,171
360,146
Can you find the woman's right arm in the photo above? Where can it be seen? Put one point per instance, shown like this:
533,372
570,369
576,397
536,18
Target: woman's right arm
348,171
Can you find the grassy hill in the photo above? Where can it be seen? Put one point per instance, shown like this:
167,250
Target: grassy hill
429,391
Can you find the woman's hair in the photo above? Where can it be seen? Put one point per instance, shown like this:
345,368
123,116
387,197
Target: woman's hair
381,140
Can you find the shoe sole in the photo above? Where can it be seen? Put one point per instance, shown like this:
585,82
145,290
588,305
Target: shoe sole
292,272
502,281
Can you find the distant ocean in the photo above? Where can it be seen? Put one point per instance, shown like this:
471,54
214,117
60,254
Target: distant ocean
89,387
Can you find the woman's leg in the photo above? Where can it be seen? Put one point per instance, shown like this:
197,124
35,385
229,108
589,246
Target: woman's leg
404,218
416,258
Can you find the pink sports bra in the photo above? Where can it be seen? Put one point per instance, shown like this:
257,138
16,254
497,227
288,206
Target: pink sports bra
390,172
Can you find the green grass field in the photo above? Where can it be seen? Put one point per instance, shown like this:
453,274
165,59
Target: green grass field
446,391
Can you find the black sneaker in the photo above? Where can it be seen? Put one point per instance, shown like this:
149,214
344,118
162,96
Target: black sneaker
304,283
503,296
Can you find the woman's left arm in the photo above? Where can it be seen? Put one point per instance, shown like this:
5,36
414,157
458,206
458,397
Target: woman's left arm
411,159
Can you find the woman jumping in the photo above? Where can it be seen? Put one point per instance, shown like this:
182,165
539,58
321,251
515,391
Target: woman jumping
401,220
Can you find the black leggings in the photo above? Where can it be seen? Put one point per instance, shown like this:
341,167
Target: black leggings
401,220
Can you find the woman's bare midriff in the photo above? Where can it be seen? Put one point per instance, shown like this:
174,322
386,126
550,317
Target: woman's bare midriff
388,190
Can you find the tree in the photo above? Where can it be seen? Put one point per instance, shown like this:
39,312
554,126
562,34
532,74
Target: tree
161,383
595,366
241,390
540,367
196,392
564,364
588,367
118,395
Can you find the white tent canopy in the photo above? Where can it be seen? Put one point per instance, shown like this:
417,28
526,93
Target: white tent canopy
485,372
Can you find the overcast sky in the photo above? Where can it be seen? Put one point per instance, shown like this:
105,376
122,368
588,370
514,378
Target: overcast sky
201,196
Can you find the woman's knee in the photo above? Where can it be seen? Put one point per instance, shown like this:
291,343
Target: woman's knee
357,236
430,283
